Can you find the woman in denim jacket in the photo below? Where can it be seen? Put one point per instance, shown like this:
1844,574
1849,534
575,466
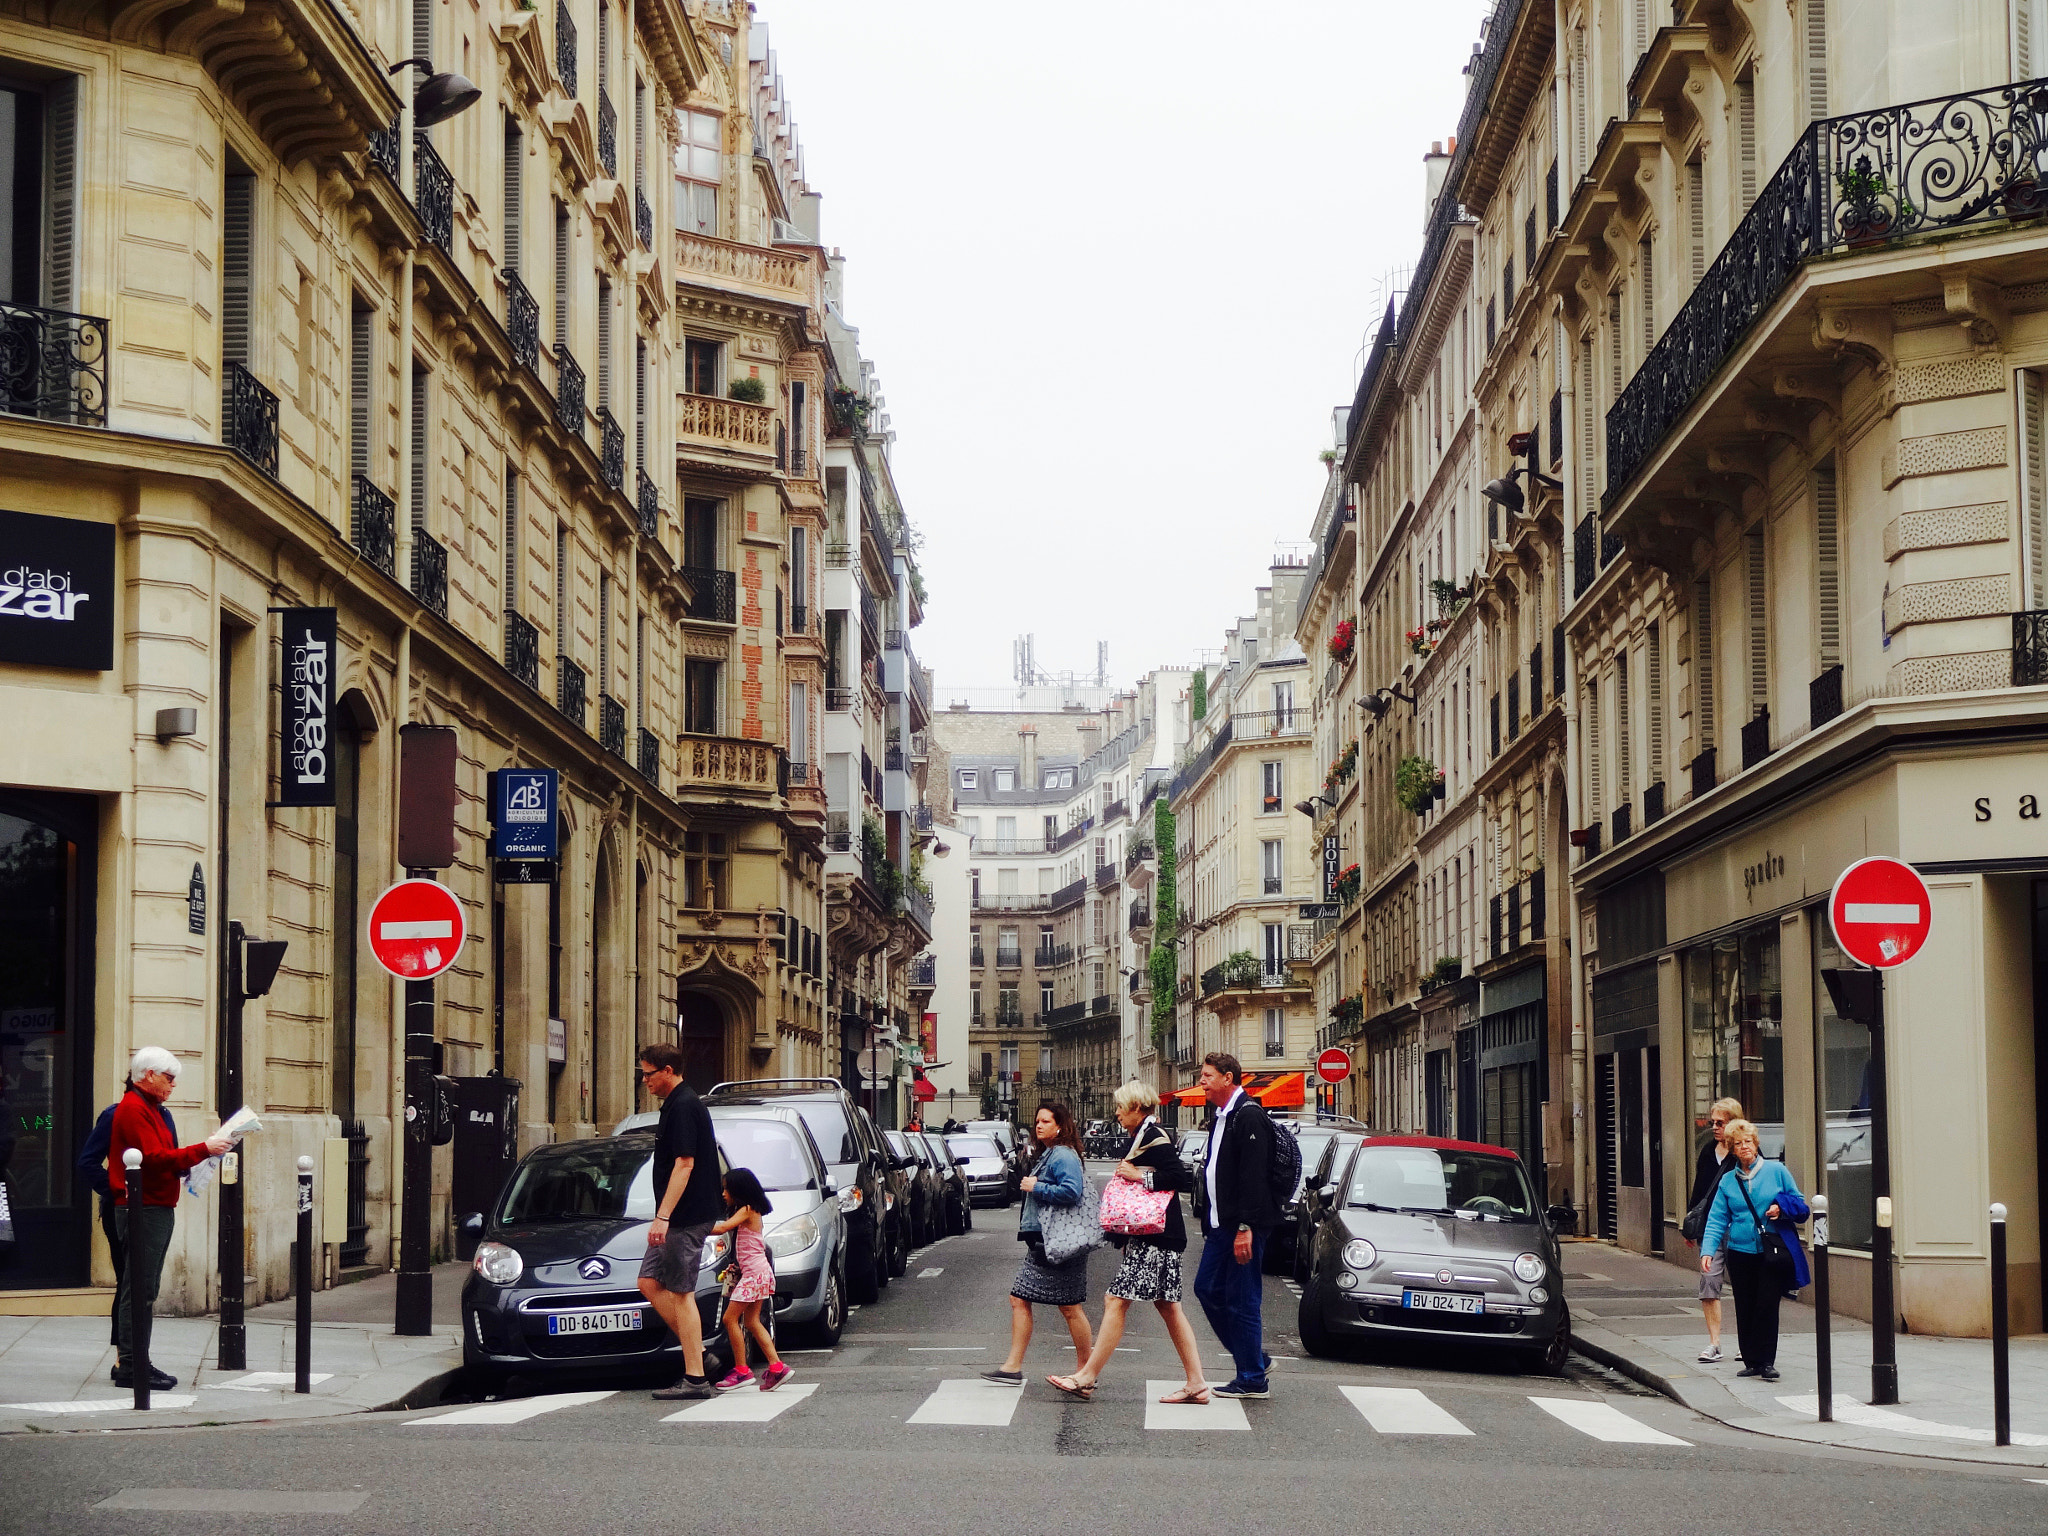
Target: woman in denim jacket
1057,1179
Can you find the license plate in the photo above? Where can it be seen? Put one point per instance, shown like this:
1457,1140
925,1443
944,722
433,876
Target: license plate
1442,1301
626,1321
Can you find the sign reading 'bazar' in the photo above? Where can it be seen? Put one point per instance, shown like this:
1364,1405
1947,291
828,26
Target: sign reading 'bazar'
56,592
306,774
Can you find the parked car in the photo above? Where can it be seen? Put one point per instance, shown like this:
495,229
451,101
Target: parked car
1442,1240
1105,1138
896,1191
1193,1145
1321,1187
855,1155
554,1286
806,1232
1311,1137
1015,1154
956,1210
987,1171
923,1190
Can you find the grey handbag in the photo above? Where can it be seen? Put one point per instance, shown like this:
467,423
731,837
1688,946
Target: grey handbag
1067,1232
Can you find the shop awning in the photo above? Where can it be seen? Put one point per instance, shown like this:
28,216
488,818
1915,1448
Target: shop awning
922,1090
1190,1097
1286,1090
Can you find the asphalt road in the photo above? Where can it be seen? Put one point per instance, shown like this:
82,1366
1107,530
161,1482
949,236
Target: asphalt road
868,1438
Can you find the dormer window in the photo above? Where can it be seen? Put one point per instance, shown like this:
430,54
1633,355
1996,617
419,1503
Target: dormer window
969,778
1006,780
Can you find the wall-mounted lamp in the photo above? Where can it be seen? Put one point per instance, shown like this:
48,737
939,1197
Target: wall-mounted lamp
182,721
940,850
1308,807
1381,700
439,96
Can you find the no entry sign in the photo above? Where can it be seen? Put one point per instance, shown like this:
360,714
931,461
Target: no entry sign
416,929
1881,912
1333,1065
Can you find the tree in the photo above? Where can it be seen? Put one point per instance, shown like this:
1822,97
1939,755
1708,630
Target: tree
1163,968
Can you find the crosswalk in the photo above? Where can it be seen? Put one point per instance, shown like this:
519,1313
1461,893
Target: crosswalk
974,1403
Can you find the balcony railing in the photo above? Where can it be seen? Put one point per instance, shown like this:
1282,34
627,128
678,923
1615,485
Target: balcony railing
1009,959
839,839
1106,875
1863,180
648,760
568,392
1135,855
1016,901
643,219
522,650
430,571
1756,739
1585,555
373,526
1273,885
607,134
648,504
1653,804
870,614
565,50
1622,820
2030,648
1141,915
522,323
383,151
569,690
1006,845
799,619
765,268
249,419
837,699
611,725
1068,894
736,424
611,451
1702,771
924,971
727,763
53,365
1247,724
433,193
713,593
1824,697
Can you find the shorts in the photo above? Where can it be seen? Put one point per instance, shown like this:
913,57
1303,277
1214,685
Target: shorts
1711,1279
674,1265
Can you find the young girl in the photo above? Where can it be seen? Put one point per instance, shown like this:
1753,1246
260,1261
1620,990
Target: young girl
748,1203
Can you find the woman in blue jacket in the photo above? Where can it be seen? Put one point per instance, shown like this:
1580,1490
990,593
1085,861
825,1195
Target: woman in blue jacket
1753,1196
1058,1179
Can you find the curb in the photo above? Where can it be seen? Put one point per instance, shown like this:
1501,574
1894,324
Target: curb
423,1394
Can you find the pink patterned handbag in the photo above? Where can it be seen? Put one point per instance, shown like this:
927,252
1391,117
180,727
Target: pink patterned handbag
1129,1209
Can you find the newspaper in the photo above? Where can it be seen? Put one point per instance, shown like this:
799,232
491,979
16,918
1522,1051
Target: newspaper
237,1125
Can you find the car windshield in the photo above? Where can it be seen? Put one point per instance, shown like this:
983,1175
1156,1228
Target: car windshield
934,1147
896,1143
584,1180
829,1129
769,1147
1195,1141
972,1146
1437,1179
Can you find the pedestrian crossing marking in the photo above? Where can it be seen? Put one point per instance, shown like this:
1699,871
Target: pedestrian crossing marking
157,1400
1217,1413
1850,1411
263,1381
926,1274
517,1411
744,1405
1402,1411
969,1402
1603,1422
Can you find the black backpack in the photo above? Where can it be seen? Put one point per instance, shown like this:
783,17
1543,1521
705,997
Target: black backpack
1283,1168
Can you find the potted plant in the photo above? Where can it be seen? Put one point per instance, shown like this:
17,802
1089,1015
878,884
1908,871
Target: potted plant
753,391
1415,781
1343,639
1419,642
1866,217
1346,886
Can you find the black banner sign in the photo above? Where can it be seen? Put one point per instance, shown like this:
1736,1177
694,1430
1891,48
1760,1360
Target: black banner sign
56,592
306,760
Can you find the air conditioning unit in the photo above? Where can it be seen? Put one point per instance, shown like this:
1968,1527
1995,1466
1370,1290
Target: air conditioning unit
785,233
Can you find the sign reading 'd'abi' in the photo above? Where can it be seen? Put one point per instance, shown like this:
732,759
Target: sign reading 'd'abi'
56,592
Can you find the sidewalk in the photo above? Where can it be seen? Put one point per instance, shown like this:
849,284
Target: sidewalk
54,1370
1642,1317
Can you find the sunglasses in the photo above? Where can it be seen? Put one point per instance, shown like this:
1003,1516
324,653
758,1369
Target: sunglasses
1717,1122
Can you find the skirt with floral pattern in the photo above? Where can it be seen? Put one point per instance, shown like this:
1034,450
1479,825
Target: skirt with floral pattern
1148,1273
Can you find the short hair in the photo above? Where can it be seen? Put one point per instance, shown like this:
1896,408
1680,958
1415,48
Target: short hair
153,1058
1223,1061
1732,1108
661,1055
1134,1095
1738,1128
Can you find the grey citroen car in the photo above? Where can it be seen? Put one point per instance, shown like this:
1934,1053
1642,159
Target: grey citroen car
1441,1240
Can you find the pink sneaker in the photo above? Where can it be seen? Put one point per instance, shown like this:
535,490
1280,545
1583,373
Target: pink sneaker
738,1376
775,1376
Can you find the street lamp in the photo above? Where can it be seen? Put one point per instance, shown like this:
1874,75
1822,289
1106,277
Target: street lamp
1381,700
440,96
1308,807
1503,491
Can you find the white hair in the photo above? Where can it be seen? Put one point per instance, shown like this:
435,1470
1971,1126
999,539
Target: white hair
152,1058
1134,1094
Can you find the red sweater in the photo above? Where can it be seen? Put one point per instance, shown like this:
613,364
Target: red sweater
164,1164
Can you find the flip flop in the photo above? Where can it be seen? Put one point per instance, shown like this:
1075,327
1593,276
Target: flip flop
1199,1397
1073,1388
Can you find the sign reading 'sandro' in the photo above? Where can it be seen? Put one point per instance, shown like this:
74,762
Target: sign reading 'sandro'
306,773
56,592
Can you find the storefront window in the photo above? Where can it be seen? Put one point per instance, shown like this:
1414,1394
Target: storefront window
1845,1097
1734,1016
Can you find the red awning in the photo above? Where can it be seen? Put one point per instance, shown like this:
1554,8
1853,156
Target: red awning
1285,1091
922,1090
1189,1098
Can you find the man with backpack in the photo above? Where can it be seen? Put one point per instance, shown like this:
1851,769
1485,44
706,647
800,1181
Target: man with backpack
1243,1167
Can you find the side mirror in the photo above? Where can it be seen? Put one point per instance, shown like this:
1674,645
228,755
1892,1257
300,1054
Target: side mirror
828,1189
1563,1218
1329,1191
469,1231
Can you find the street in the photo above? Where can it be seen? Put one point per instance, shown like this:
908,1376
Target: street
893,1432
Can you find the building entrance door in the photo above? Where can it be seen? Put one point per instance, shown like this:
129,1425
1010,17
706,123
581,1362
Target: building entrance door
48,854
700,1032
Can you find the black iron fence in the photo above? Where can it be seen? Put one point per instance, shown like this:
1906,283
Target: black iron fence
1653,804
712,593
2030,648
1585,548
249,418
53,365
607,133
611,725
1702,771
522,323
569,690
648,504
611,451
1756,739
430,571
568,392
565,50
355,1247
373,526
648,760
643,218
433,193
1824,697
522,649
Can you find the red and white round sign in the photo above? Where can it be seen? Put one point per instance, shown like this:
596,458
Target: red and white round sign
1881,912
416,929
1333,1065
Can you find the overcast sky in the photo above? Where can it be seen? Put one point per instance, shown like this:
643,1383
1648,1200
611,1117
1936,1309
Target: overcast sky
1115,265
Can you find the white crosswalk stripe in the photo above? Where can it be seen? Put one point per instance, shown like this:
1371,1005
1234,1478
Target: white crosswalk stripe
1217,1413
1402,1411
744,1405
517,1411
1603,1422
969,1402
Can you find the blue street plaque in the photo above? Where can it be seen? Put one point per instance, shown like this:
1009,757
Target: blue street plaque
523,813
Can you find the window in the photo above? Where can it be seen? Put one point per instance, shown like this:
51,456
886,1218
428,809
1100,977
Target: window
422,447
700,366
640,670
698,171
564,231
1283,706
1271,868
561,589
1045,943
639,403
701,544
701,696
237,252
604,344
514,206
1045,1003
1273,787
1276,1032
1274,938
1006,780
704,869
1008,952
1006,882
800,726
971,825
1006,834
362,321
968,778
38,196
511,537
974,1001
1009,1061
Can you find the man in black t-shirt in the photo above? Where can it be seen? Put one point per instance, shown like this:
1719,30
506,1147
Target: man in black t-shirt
686,1204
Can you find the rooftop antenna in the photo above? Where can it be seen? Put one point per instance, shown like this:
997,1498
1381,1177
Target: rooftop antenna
1102,663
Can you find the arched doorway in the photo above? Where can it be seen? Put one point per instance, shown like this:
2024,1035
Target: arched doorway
700,1032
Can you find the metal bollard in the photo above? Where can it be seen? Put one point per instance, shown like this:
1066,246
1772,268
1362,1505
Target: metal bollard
1823,1348
138,1309
2001,1376
302,1280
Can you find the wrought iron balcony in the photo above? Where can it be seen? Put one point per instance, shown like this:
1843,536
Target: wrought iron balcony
607,133
373,525
522,650
1106,875
569,690
384,150
1535,681
1273,885
522,323
433,193
1702,771
1536,906
1622,819
430,571
712,593
648,760
1141,916
611,451
924,971
1590,840
1756,739
799,619
838,698
648,503
1653,804
1824,697
568,392
870,614
611,725
1610,547
1863,180
248,422
53,365
565,49
1557,660
799,462
1009,959
1585,548
643,218
2030,648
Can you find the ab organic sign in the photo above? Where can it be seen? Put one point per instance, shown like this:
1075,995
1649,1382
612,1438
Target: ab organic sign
56,592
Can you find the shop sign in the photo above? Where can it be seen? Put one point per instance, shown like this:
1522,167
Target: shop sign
1333,866
523,820
195,902
306,772
56,592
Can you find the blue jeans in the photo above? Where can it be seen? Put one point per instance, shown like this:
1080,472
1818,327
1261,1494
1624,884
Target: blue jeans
1230,1294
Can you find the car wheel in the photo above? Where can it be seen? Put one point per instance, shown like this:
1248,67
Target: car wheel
1316,1337
864,1282
899,1251
1559,1350
1300,1256
966,1215
831,1318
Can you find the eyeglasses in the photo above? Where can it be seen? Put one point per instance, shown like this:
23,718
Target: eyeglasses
647,1072
1717,1122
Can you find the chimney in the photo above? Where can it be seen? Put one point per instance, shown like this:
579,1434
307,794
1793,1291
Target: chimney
1091,735
1027,754
1435,164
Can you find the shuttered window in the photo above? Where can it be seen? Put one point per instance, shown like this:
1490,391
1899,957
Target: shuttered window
1589,439
2034,482
361,361
604,343
1641,10
515,192
1703,661
511,537
1757,614
1814,38
1745,139
1581,86
421,438
423,29
60,128
604,631
1649,259
1653,690
639,402
1595,749
640,670
237,248
562,241
639,135
1827,567
2029,37
1624,734
561,590
1696,219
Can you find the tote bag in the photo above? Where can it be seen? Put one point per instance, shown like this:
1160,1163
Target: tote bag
1069,1231
1129,1209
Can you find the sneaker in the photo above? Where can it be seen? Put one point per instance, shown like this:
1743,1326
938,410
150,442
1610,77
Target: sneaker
1749,1370
1004,1378
686,1388
775,1376
738,1376
1243,1390
1711,1355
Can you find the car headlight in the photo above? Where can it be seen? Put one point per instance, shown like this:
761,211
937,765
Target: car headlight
792,1238
1538,1294
1529,1269
498,1264
714,1250
849,1199
1359,1254
888,1200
